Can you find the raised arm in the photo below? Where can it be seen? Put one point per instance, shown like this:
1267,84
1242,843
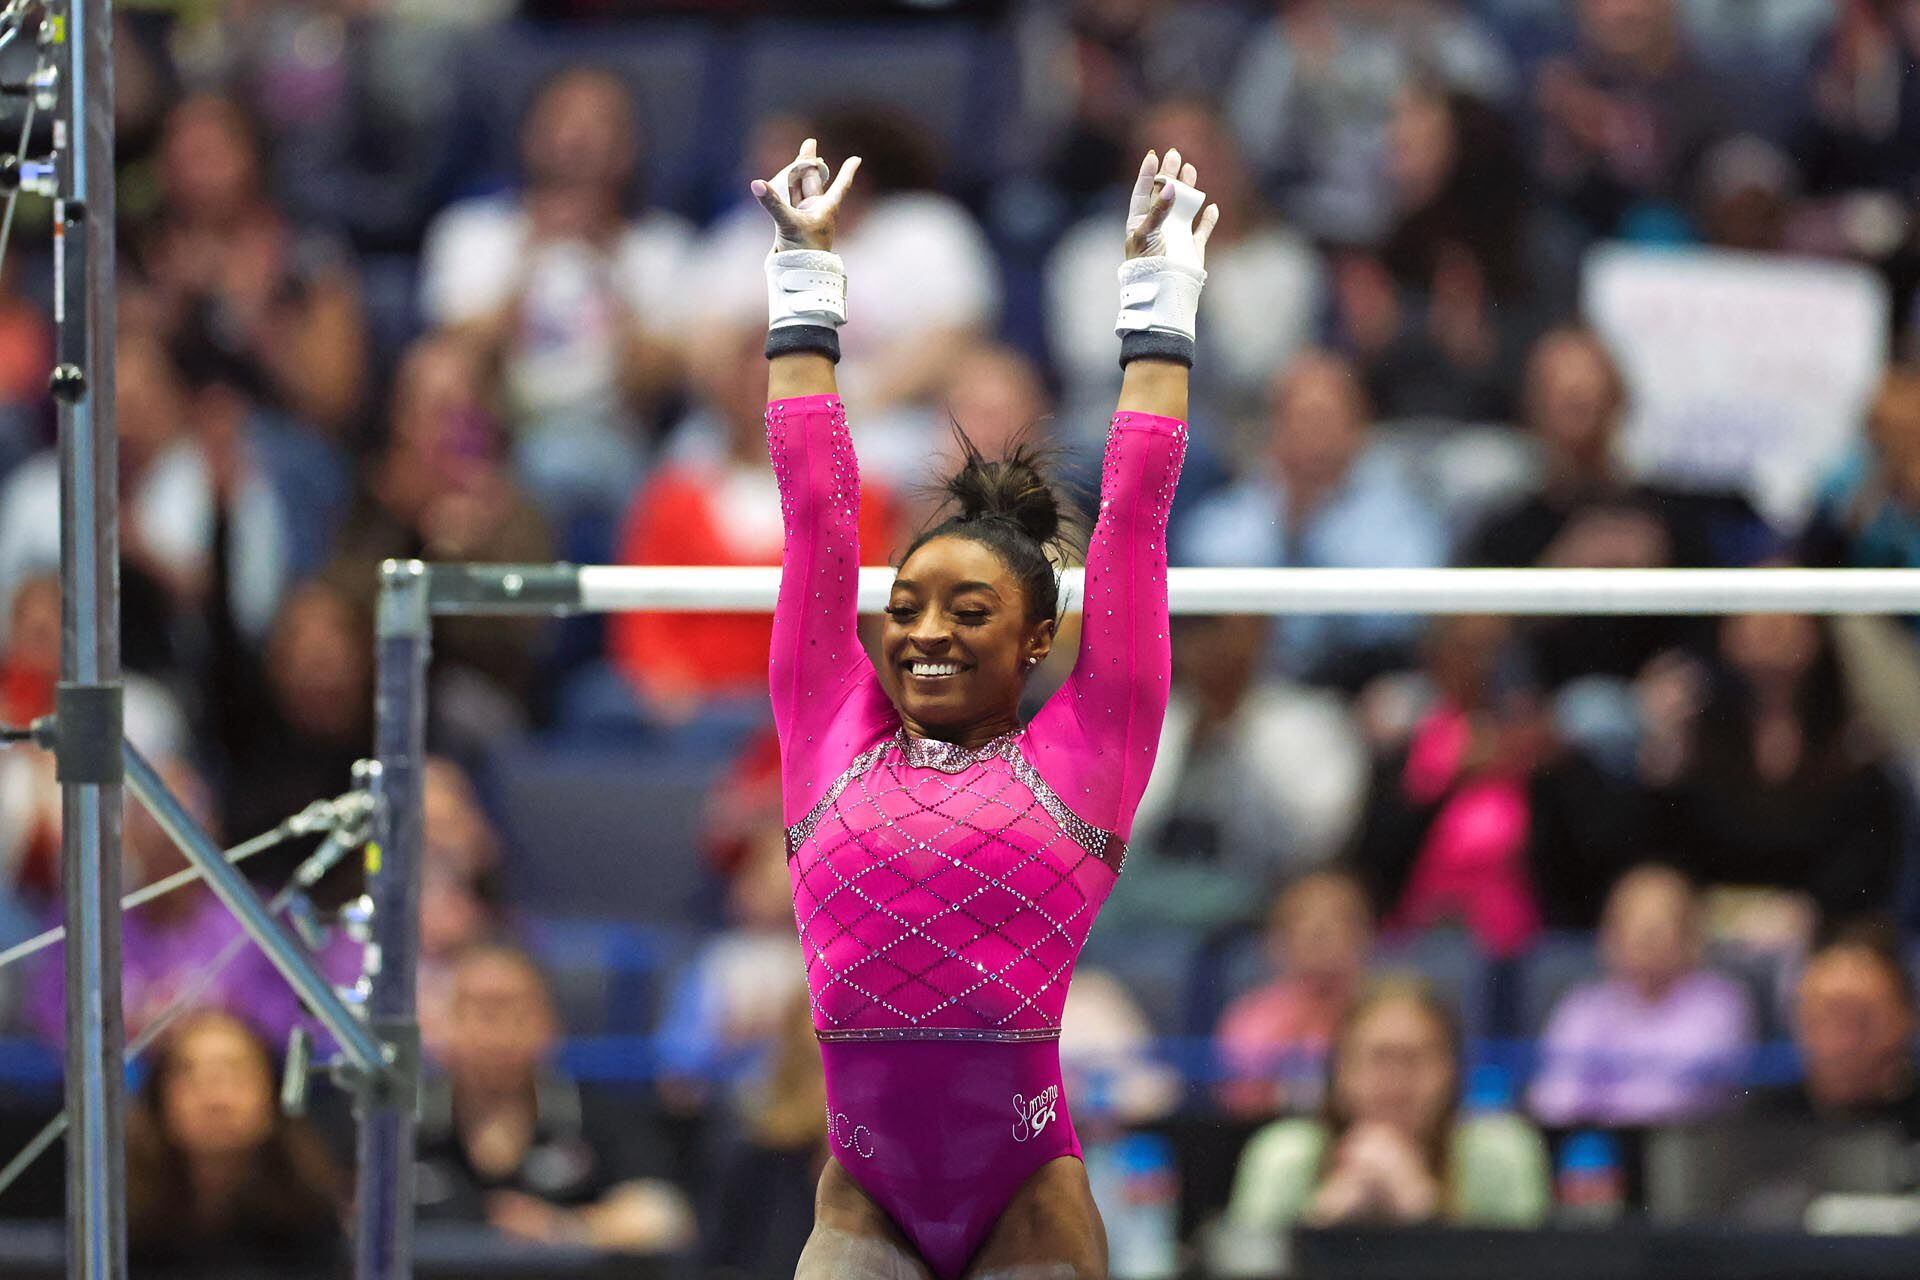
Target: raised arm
1096,738
827,701
806,283
1160,283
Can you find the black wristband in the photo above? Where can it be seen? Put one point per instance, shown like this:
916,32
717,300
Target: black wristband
1155,344
792,339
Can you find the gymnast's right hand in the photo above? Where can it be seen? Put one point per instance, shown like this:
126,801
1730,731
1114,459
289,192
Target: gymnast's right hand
803,205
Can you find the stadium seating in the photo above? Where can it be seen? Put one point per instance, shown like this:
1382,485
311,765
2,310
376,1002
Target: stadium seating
601,832
670,65
609,977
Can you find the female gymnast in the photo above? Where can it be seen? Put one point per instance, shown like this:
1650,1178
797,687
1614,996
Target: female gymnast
946,862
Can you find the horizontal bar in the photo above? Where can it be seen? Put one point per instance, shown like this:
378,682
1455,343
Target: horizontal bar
1540,592
231,887
541,589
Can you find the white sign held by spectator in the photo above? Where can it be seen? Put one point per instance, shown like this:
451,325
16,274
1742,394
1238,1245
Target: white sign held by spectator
1745,372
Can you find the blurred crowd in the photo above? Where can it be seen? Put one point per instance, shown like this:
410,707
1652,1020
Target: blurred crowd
429,278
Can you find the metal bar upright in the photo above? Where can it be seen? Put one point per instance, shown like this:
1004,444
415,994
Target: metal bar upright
385,1115
88,703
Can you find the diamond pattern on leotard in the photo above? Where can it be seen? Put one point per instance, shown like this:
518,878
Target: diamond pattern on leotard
936,888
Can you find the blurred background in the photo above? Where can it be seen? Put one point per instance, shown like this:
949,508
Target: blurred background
1595,926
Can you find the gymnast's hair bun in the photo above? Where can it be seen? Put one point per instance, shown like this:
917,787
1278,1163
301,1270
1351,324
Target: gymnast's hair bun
1015,489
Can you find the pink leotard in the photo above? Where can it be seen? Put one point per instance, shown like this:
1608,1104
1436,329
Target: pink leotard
942,894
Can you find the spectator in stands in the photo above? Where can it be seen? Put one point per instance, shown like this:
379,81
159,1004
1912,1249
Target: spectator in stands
741,802
173,941
356,100
223,255
1862,125
1747,199
995,395
715,503
1854,1025
152,420
1328,496
759,1207
573,290
1391,1146
1626,114
729,259
1763,773
1257,780
460,891
29,795
292,724
1092,68
1868,515
727,1007
30,659
508,1140
220,1183
442,490
930,286
1108,1060
244,505
1272,1042
1660,1039
1479,815
1266,316
1588,514
1313,94
30,799
26,360
146,85
1439,313
1863,117
937,290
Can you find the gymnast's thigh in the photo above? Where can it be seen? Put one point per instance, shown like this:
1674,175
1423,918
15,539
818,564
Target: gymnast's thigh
853,1237
1050,1230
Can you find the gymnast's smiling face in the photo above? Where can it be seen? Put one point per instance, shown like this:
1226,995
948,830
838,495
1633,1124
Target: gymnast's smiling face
959,642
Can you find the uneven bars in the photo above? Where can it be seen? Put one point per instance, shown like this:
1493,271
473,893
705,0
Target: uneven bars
493,589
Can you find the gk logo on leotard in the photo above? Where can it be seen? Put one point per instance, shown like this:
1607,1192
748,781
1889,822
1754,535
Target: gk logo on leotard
1035,1113
856,1138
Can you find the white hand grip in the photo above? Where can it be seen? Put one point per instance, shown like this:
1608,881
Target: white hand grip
1176,233
806,286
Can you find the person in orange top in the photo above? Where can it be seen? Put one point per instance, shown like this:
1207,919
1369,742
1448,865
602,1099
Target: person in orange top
1272,1042
714,503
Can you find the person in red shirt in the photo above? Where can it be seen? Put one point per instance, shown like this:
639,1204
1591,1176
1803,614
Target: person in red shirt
29,801
30,658
714,503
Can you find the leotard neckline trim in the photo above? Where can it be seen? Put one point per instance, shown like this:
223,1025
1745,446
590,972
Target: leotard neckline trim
951,757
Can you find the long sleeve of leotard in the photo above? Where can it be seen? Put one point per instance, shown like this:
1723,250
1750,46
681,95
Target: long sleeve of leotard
1095,739
828,705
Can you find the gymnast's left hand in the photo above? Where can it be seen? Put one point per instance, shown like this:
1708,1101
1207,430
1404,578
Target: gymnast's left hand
804,208
1150,234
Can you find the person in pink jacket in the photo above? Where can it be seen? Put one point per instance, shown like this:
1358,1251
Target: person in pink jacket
947,862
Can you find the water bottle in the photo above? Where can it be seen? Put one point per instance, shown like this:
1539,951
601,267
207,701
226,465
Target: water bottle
1138,1191
1590,1186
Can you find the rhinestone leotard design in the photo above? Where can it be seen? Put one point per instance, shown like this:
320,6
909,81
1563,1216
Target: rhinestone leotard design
942,894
